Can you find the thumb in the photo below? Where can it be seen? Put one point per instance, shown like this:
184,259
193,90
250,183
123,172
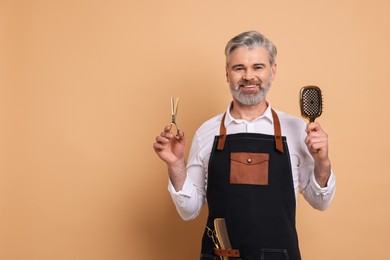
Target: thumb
180,135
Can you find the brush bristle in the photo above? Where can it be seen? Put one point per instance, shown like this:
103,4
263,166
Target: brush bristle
311,102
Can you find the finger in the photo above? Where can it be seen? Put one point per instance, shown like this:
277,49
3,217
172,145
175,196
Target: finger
168,128
180,134
311,136
168,135
317,142
165,138
161,139
310,139
313,127
158,147
314,134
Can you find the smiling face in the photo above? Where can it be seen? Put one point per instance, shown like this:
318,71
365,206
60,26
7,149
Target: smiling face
249,74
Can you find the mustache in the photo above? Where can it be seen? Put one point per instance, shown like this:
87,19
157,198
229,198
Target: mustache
249,82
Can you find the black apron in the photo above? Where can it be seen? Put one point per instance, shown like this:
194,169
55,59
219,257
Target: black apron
250,185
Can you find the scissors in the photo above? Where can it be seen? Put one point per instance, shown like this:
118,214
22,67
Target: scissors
174,107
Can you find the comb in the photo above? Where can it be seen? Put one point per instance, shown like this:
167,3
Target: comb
310,100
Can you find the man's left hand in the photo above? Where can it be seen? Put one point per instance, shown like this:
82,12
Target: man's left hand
317,143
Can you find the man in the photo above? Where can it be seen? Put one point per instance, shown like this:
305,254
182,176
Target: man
250,162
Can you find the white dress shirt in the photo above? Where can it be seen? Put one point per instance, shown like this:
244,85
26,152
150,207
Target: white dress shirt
191,198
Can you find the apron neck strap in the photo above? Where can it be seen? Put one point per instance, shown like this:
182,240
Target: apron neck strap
222,134
277,133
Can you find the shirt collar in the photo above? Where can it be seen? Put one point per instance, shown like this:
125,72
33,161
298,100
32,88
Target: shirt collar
267,115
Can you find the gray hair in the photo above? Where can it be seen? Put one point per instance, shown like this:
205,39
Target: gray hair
250,40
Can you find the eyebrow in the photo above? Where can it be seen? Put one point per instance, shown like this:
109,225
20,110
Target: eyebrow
237,65
254,65
260,64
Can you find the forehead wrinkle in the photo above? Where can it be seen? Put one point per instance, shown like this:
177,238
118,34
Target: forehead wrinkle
254,55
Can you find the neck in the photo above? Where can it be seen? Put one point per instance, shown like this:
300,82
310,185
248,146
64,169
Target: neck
248,113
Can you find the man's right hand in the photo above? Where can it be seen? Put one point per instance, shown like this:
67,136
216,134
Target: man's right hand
170,148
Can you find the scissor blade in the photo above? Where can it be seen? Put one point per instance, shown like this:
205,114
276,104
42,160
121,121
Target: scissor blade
172,106
177,106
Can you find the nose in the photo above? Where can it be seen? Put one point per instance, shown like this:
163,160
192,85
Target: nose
248,75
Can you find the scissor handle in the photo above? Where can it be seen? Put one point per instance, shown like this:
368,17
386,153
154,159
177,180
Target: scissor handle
177,128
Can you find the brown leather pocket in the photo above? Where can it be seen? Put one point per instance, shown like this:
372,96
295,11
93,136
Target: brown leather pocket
249,168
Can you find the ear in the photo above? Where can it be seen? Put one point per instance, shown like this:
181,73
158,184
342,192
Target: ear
274,69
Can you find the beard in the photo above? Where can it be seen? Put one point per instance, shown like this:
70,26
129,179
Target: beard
251,98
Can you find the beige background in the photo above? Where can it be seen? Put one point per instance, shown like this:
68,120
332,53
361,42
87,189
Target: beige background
85,87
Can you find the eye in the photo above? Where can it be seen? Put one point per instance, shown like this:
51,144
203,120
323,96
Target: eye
259,67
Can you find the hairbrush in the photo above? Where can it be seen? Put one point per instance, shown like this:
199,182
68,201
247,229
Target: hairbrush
310,100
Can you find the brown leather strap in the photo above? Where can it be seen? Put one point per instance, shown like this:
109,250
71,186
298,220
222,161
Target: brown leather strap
227,252
222,134
277,132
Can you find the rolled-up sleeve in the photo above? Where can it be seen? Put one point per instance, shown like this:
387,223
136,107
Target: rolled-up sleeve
320,198
190,199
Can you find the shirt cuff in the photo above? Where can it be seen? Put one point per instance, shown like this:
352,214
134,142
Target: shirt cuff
325,190
185,190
